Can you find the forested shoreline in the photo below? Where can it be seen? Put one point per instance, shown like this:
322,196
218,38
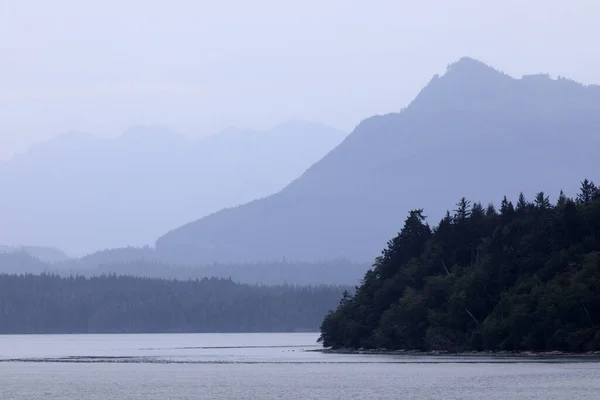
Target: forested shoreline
525,277
45,304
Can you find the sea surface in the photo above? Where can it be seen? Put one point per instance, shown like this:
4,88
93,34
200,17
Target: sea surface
268,366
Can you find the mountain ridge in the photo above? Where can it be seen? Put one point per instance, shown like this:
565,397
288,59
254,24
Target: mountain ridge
84,194
473,113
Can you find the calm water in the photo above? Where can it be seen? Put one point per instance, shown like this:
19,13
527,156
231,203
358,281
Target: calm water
266,366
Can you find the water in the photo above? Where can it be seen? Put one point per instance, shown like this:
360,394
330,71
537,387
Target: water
264,367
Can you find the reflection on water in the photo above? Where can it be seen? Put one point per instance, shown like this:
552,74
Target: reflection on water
268,366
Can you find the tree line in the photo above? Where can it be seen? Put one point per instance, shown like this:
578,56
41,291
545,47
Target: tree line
329,272
46,303
525,276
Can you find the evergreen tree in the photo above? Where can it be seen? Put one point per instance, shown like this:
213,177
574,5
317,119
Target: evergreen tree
522,204
587,192
562,199
526,280
542,202
462,211
477,211
409,243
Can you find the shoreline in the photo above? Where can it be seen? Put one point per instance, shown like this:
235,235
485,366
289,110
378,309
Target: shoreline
476,354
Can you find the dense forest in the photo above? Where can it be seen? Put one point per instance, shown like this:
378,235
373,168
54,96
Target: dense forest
524,277
111,304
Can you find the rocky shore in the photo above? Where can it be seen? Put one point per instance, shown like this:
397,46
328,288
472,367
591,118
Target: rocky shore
528,354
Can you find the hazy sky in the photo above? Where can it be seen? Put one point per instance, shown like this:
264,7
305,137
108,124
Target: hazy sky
199,66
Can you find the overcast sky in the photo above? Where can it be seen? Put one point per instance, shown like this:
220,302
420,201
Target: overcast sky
200,66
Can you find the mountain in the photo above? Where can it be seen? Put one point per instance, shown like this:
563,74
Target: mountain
82,193
45,254
138,263
334,272
473,132
21,262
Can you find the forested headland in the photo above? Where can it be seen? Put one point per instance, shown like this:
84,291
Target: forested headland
522,277
45,303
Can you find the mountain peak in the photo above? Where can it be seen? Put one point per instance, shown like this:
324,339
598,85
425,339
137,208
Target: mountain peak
469,64
467,83
475,131
469,70
83,195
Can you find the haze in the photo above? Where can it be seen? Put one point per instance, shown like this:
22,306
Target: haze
199,67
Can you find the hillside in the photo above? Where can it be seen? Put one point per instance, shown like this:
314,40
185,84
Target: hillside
82,194
526,277
21,262
44,254
472,132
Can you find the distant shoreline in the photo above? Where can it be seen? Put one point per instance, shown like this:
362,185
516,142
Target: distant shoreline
510,354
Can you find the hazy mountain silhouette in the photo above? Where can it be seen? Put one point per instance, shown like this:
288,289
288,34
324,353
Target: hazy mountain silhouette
113,256
472,132
139,262
82,193
44,254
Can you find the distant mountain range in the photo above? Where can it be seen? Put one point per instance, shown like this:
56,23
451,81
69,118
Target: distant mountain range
45,254
82,194
472,132
128,262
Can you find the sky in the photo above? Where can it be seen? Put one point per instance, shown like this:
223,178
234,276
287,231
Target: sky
198,67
